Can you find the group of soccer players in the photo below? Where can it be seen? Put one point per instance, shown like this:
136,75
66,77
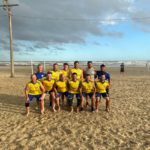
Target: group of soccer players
70,84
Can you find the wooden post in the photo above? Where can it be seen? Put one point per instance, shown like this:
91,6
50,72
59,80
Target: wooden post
7,7
12,74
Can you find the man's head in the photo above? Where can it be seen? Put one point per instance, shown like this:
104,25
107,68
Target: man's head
33,78
66,66
74,76
88,77
40,68
102,78
49,75
55,67
103,67
62,77
76,64
90,64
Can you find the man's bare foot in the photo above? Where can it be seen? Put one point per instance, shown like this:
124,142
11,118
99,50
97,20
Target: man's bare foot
71,110
96,110
36,108
107,110
77,110
58,109
27,114
42,112
54,110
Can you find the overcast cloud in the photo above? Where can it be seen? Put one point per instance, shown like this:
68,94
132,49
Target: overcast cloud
53,22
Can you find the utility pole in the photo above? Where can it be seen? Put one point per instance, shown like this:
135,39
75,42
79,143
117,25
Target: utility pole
6,6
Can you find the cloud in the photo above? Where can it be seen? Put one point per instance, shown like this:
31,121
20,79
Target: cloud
49,23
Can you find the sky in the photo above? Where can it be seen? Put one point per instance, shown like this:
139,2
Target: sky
67,30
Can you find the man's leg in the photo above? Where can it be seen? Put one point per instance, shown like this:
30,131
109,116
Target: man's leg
93,103
58,102
107,104
97,103
52,95
27,108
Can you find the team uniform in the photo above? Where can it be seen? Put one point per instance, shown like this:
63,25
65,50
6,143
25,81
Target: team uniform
78,71
87,88
34,90
48,85
55,75
61,87
107,76
101,89
65,73
40,75
73,90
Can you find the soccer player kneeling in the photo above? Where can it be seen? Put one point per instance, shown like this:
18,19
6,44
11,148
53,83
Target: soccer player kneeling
60,89
48,84
34,89
74,91
88,91
101,87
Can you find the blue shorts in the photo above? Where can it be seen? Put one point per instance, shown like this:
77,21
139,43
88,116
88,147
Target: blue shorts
37,97
71,95
104,95
87,94
59,94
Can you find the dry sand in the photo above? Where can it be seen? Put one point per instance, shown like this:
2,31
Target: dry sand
127,126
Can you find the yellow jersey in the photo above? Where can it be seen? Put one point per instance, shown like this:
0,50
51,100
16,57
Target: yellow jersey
74,87
61,86
55,75
48,84
78,71
34,88
101,87
65,73
88,87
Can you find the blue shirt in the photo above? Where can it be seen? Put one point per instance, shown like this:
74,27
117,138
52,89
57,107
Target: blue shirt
99,73
40,75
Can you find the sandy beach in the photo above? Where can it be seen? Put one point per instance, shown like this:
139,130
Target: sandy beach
126,127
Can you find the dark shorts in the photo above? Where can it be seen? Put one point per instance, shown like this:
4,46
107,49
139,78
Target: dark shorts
107,91
122,70
59,94
71,96
87,94
49,92
37,97
70,99
104,95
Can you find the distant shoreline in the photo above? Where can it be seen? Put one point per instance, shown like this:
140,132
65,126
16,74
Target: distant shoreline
132,63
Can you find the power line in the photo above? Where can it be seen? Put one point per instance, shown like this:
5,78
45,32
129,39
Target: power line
82,19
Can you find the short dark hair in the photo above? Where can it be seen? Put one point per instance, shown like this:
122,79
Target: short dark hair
102,65
89,62
39,65
55,64
88,75
66,64
49,72
76,62
33,75
74,74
